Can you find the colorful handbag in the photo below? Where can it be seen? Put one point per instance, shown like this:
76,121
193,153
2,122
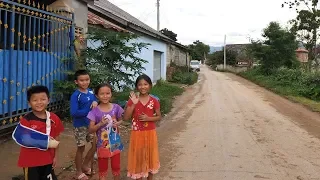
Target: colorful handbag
113,145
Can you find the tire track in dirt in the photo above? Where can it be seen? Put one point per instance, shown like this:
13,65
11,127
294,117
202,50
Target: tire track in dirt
237,132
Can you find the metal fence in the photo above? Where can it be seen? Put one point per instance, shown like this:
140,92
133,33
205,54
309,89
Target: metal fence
36,44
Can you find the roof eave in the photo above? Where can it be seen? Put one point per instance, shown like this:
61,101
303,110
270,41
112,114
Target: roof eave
141,30
107,14
130,25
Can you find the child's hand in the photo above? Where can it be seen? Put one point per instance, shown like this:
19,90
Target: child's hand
134,98
53,143
116,123
54,163
104,121
143,117
93,104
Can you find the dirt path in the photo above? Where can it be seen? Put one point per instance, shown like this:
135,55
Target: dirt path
222,128
237,130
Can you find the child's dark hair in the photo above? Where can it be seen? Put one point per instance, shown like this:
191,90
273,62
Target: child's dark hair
143,77
36,90
96,90
80,73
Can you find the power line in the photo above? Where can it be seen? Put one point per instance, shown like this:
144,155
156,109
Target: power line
146,17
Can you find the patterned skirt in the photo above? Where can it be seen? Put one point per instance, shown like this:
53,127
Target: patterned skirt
143,155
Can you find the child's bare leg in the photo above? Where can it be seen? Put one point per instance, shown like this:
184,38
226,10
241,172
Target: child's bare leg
88,160
150,177
78,159
102,178
92,162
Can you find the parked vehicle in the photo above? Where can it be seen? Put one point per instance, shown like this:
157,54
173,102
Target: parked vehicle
195,65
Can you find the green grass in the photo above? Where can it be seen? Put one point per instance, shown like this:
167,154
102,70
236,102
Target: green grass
291,84
188,78
164,90
313,105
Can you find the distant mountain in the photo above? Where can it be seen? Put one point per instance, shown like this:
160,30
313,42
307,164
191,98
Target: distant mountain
215,48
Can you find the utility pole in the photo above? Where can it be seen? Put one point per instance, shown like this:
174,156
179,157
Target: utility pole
158,15
225,53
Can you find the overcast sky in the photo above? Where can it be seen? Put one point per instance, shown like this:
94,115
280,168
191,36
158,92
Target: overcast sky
209,20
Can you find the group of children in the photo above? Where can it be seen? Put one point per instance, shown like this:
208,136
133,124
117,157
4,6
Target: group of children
92,112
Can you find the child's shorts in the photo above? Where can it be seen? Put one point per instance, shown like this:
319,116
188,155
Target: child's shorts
115,165
82,136
39,173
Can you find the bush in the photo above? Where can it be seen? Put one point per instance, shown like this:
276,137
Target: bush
185,77
182,75
288,82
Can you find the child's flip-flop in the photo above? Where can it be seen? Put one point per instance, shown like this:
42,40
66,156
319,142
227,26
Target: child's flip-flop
89,172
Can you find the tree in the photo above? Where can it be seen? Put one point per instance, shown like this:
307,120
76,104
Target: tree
114,60
199,50
218,58
277,50
169,34
306,24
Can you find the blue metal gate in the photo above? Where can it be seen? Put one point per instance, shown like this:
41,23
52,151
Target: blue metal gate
35,48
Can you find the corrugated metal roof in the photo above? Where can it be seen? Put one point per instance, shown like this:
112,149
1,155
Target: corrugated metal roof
107,9
108,6
97,20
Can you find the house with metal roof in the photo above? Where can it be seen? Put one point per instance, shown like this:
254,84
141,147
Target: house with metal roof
161,51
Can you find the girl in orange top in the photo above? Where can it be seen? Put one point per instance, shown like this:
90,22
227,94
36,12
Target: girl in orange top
143,155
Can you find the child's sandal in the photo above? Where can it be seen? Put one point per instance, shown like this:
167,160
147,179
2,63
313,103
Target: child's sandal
89,172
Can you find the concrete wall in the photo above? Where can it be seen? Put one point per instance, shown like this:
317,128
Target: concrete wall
177,56
147,54
79,8
80,14
231,68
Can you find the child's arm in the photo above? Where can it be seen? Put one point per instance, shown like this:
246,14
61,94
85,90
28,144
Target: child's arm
157,117
59,128
130,106
55,159
93,127
119,121
145,118
119,116
94,103
128,112
74,108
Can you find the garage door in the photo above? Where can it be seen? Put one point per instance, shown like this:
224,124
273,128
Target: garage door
156,66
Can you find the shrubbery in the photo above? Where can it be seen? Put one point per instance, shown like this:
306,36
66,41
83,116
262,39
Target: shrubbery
288,82
182,75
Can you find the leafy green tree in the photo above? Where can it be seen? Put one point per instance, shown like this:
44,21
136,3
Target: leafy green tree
277,50
114,60
217,58
169,34
198,50
306,24
111,58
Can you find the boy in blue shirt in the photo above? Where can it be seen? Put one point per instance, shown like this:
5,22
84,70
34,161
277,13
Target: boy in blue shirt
81,102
